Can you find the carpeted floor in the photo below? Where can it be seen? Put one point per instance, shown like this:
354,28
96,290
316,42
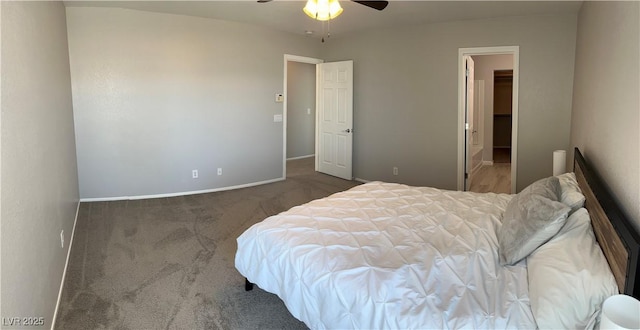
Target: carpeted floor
168,263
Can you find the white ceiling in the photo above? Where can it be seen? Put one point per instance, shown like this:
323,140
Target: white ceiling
287,15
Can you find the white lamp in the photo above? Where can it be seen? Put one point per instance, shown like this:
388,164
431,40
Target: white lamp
620,312
559,162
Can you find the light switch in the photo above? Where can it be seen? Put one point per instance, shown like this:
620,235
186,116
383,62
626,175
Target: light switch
308,111
277,118
279,98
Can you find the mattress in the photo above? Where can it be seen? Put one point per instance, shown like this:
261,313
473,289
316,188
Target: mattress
385,255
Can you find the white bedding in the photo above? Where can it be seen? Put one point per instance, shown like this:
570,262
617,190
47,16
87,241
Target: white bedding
384,255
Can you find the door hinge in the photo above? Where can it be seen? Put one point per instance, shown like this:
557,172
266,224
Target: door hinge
466,126
466,72
466,175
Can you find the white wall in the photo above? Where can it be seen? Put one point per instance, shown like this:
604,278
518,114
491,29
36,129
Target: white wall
405,94
301,124
39,176
157,95
485,65
605,121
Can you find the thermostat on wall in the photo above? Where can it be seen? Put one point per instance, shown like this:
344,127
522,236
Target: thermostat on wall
279,98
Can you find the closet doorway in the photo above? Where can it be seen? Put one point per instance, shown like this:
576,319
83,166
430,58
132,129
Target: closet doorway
502,115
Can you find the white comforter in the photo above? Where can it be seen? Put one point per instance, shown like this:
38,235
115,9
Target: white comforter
385,255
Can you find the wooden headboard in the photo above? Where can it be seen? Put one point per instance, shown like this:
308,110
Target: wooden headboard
615,233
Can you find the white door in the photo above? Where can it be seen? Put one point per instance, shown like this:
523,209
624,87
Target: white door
334,142
469,129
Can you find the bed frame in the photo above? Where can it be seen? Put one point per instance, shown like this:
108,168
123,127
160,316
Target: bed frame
619,240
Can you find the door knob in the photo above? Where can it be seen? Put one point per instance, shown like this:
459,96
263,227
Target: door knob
348,130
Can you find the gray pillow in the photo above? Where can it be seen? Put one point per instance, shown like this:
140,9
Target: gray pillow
531,218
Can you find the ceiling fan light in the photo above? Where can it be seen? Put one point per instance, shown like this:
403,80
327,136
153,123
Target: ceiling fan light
322,10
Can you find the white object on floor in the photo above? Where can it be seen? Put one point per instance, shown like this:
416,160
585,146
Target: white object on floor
620,312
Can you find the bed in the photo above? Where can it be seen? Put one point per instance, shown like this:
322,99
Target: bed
385,255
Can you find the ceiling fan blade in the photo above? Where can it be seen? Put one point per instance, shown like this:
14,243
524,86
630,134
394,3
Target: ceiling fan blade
379,5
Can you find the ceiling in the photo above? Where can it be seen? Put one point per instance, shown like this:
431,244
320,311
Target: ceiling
287,15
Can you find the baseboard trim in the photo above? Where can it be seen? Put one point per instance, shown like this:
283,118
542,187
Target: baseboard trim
301,157
184,193
487,162
361,180
66,264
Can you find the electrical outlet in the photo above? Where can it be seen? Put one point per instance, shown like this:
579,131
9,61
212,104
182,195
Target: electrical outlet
194,174
219,170
395,170
62,239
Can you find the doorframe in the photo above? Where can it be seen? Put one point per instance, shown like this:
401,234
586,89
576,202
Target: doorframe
500,50
301,59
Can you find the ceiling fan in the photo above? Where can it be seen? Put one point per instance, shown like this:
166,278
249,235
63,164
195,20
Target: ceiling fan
379,5
326,10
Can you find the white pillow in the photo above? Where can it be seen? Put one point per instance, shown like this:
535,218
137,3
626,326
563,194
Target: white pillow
570,193
531,218
569,277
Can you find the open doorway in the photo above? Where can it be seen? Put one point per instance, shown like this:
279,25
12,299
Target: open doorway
299,112
502,112
487,150
333,119
492,134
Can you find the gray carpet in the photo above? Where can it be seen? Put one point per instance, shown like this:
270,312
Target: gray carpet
168,263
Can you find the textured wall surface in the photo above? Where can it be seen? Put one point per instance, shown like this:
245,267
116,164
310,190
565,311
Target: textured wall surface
605,123
39,176
406,103
156,96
